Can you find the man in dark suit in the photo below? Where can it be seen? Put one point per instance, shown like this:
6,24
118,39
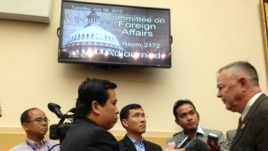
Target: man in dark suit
96,112
238,88
133,119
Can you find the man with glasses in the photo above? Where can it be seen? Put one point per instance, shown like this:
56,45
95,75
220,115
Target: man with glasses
133,119
35,123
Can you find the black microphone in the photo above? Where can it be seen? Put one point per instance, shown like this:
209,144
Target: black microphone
197,145
184,142
72,110
55,108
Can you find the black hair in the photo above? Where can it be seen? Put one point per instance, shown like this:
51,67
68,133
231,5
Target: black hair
180,103
124,113
92,90
25,115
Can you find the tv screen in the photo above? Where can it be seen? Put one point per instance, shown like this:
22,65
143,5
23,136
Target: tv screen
109,34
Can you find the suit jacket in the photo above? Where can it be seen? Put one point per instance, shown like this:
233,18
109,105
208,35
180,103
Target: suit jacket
253,134
230,134
84,135
178,137
126,144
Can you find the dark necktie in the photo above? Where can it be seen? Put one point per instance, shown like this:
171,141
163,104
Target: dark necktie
240,128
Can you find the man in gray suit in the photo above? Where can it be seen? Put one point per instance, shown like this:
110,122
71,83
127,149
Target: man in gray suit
238,88
230,134
187,117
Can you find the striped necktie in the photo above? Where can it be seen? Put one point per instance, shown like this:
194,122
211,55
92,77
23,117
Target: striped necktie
241,125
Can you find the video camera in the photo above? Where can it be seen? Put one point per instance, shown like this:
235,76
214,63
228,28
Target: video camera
58,131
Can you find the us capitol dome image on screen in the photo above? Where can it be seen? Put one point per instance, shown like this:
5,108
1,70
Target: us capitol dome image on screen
92,40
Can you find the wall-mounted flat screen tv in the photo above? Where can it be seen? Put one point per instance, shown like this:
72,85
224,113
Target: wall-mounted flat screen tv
109,34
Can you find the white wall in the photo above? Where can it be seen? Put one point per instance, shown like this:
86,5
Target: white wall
207,34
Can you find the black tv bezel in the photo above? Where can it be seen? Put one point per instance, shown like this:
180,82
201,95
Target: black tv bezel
112,64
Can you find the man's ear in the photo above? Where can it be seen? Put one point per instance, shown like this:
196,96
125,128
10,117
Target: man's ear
25,126
198,116
244,83
177,121
124,122
95,107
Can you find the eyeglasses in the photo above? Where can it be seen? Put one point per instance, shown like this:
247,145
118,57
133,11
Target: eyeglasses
139,115
39,120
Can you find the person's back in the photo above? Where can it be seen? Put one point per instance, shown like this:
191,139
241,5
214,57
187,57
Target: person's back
84,135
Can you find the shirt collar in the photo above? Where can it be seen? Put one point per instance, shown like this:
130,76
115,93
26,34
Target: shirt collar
133,140
199,130
34,144
249,104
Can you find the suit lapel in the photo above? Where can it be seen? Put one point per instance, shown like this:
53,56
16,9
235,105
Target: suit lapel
147,147
128,145
237,135
243,126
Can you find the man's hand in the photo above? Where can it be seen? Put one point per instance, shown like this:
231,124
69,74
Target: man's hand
213,146
172,146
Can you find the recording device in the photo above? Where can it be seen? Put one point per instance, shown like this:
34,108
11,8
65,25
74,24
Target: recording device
58,131
184,142
197,145
212,137
55,108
